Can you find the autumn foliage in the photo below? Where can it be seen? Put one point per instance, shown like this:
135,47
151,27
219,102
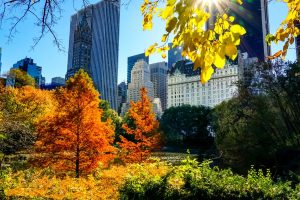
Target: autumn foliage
141,128
20,109
73,137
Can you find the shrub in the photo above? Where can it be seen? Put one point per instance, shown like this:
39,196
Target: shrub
192,180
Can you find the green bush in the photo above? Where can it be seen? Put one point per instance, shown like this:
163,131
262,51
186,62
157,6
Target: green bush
192,180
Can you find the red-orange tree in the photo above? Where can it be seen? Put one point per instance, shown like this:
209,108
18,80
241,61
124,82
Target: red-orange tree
73,136
141,128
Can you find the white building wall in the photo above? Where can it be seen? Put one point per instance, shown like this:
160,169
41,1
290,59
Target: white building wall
188,90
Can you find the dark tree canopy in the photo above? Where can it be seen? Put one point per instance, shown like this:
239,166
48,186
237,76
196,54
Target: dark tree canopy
185,123
261,125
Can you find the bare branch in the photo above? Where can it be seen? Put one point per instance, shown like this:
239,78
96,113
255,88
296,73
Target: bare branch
45,12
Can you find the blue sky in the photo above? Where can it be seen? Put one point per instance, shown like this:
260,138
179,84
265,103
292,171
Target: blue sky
133,39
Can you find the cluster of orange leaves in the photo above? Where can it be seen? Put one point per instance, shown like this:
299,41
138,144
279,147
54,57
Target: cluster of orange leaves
69,131
101,184
143,135
73,137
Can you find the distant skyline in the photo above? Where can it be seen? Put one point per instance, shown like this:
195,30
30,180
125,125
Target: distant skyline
133,40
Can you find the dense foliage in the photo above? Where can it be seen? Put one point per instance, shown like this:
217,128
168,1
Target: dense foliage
261,125
186,20
73,137
185,124
19,78
20,108
141,127
157,180
46,184
193,180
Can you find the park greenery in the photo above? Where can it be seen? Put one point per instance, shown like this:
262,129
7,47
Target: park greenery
186,126
68,144
260,126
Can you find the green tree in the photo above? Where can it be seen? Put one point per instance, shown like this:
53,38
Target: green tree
281,82
187,122
20,78
246,131
112,116
261,125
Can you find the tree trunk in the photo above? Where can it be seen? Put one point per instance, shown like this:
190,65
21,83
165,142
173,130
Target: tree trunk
77,155
77,162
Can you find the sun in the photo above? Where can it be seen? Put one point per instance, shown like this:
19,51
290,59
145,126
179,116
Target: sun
207,3
211,5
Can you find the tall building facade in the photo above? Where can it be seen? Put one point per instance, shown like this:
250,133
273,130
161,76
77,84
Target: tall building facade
122,95
94,46
140,77
174,55
158,72
31,68
184,85
253,15
58,81
82,47
132,60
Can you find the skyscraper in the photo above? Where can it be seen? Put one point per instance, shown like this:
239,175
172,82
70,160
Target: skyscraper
253,16
122,95
131,61
158,72
82,47
140,77
31,68
94,46
174,55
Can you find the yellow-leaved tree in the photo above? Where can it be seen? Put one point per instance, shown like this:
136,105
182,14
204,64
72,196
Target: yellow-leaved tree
186,20
208,48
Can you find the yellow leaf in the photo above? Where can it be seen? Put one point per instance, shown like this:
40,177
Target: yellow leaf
151,49
164,37
197,64
206,74
147,23
163,55
171,24
237,29
220,60
231,51
167,12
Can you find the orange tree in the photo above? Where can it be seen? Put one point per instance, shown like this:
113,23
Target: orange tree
141,130
73,136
